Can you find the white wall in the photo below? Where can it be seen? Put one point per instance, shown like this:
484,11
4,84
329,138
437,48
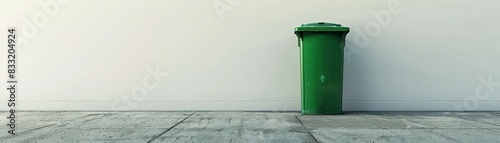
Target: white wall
95,54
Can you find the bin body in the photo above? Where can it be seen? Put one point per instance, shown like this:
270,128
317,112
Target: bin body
322,57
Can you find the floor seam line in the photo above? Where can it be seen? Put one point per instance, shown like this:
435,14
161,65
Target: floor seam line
171,127
307,129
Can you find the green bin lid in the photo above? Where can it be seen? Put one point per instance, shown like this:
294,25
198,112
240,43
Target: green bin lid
321,26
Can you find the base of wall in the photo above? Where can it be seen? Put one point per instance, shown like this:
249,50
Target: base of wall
252,106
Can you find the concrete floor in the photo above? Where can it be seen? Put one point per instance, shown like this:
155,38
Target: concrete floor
220,127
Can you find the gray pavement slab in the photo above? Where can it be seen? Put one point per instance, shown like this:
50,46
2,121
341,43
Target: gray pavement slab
132,135
136,120
406,135
31,121
398,121
492,118
94,126
404,127
239,127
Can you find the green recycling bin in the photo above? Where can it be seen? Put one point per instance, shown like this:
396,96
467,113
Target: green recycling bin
321,59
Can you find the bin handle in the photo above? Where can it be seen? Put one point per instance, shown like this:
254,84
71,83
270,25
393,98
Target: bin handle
299,40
